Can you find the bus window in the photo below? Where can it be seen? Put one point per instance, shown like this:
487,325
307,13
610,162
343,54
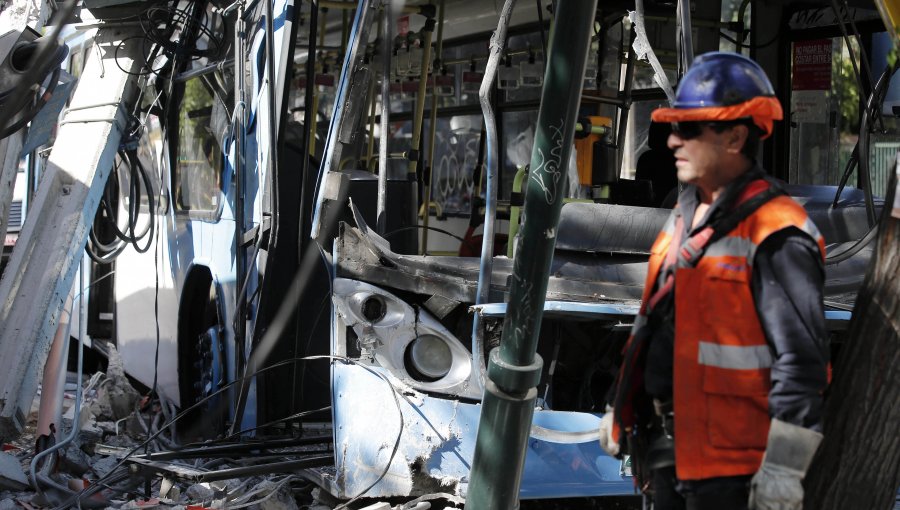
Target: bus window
826,115
202,124
456,146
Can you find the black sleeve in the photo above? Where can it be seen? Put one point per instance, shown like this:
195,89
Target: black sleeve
788,282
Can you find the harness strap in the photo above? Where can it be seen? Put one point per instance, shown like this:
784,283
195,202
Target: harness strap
688,254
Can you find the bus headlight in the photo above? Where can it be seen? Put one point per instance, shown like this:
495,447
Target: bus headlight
402,338
429,358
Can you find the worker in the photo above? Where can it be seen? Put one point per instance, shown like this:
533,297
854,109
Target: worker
719,397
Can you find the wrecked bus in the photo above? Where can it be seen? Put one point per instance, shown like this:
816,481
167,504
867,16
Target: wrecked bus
331,204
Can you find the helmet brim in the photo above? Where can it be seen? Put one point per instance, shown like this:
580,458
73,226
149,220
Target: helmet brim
764,110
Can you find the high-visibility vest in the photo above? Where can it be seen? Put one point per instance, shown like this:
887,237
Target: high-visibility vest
722,360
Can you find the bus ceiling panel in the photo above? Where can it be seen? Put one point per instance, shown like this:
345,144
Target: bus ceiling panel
804,17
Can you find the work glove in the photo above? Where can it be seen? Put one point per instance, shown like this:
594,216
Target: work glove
778,483
607,442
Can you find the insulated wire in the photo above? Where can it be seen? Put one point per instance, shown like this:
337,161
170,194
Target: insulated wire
43,52
77,498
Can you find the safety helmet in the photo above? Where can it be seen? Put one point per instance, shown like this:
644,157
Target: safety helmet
722,86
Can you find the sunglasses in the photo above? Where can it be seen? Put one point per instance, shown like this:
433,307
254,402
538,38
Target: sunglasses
688,130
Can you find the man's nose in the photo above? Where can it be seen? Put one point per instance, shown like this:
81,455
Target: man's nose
674,141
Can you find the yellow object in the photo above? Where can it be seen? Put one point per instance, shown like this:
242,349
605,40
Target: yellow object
584,148
890,13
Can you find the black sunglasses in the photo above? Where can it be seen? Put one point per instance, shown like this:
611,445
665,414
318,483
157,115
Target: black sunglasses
688,130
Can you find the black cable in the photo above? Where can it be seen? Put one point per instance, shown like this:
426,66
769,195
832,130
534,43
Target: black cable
269,424
875,102
77,497
732,40
156,315
104,253
44,50
540,13
429,227
38,102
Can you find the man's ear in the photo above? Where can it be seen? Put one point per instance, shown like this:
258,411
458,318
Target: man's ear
737,138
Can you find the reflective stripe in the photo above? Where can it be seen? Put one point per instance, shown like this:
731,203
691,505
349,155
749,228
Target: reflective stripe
669,227
732,246
640,320
812,229
734,357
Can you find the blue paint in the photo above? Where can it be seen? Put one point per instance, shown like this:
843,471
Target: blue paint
439,434
604,310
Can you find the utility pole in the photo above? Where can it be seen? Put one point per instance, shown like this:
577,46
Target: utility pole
40,273
514,369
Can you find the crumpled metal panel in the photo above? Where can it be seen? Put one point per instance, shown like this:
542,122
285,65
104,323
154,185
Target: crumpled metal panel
574,276
437,440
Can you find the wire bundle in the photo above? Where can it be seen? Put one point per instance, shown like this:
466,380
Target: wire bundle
139,183
40,81
172,36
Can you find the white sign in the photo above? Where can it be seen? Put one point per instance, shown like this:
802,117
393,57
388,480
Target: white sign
809,106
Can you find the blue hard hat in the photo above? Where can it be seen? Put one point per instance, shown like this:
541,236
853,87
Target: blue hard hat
721,78
723,86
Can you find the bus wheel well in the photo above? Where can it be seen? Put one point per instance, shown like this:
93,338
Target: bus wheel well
200,355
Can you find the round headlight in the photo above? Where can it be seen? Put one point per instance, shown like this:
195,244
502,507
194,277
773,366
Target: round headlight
429,357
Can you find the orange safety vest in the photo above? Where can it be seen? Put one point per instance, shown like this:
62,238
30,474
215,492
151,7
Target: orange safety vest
722,359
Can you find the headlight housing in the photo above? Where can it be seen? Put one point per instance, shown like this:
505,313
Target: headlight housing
408,341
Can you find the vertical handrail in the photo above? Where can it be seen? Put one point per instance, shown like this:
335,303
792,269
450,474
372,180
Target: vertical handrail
419,115
515,368
384,139
370,147
432,126
485,267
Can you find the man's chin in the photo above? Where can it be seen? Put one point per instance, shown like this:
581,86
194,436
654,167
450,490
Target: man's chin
686,176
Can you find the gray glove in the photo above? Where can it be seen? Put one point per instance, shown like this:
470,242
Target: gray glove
607,442
777,485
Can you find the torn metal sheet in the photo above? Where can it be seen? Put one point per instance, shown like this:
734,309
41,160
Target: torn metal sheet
435,440
574,276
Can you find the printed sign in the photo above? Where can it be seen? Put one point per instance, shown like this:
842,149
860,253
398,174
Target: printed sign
812,65
809,106
403,25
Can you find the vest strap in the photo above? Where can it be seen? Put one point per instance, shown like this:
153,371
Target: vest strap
752,197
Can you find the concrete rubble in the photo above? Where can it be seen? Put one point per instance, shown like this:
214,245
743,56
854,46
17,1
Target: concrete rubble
116,419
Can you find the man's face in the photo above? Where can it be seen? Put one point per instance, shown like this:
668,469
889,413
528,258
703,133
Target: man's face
704,157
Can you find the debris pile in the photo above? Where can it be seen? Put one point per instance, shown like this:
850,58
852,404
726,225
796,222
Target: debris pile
125,453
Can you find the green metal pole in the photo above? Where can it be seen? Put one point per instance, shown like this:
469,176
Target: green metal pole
515,368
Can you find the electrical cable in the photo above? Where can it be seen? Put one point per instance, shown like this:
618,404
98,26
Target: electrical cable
732,40
436,229
301,414
48,83
44,49
105,252
540,14
876,100
77,498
